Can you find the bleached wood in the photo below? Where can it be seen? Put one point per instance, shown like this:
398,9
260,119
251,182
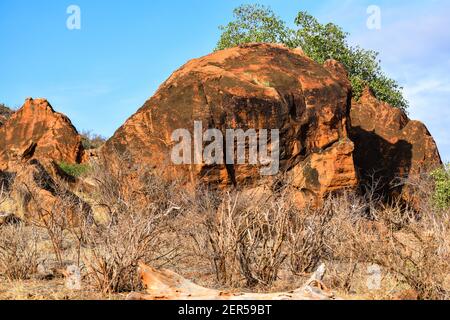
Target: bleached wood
167,285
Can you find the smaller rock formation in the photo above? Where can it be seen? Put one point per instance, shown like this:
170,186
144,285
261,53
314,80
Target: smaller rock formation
36,131
388,145
33,141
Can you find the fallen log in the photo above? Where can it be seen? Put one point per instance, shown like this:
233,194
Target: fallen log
167,285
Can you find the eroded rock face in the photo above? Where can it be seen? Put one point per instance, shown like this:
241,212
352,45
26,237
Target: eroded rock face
36,131
256,86
388,145
37,196
32,143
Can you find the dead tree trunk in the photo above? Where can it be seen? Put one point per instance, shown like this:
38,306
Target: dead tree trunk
167,285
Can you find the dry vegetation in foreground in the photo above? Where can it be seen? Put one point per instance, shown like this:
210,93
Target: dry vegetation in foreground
242,240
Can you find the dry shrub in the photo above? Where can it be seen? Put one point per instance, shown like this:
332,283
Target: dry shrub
19,254
249,237
113,252
308,231
132,231
260,247
414,250
129,188
418,254
60,220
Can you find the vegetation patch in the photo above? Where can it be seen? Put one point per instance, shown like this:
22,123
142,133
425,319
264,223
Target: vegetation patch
442,187
258,23
74,170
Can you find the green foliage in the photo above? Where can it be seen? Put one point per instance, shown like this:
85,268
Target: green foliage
253,23
74,170
442,187
256,23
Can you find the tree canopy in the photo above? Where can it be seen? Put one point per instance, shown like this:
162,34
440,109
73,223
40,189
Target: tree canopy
257,23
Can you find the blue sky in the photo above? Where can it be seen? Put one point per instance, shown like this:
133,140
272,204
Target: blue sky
100,75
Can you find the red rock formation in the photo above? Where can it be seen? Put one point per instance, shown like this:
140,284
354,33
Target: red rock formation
36,131
256,86
32,142
388,145
263,86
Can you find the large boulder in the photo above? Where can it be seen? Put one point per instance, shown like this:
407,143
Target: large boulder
36,131
328,142
256,86
389,147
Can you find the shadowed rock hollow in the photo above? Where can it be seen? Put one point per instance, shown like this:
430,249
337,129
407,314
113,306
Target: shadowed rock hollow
257,86
388,145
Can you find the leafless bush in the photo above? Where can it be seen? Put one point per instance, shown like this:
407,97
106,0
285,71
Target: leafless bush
19,253
413,250
132,232
263,233
307,238
418,254
132,189
215,233
62,217
247,237
113,252
92,140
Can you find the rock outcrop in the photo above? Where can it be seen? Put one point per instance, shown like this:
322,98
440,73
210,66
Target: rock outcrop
388,145
256,86
36,131
327,141
32,143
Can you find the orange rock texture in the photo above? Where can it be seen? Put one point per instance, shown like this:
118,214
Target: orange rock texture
36,131
32,143
388,145
328,142
256,86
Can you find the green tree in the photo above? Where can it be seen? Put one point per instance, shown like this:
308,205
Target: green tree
256,23
442,187
253,23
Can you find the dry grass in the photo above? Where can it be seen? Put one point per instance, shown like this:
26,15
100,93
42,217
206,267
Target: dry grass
19,254
230,239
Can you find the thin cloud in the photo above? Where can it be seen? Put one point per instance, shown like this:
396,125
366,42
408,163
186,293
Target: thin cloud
414,46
